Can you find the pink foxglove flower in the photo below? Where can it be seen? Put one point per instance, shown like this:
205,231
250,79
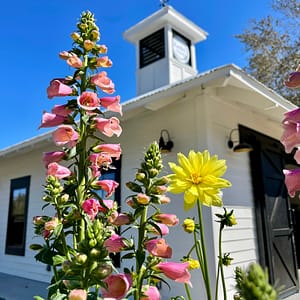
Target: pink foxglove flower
119,219
77,295
112,104
91,208
293,81
88,101
113,149
109,204
159,248
175,271
107,185
103,62
142,199
50,120
292,181
291,136
74,61
292,116
108,127
297,156
61,110
58,89
117,286
167,219
102,159
103,82
58,171
164,229
114,243
150,293
53,156
65,135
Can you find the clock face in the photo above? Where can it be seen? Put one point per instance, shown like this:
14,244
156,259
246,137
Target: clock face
181,49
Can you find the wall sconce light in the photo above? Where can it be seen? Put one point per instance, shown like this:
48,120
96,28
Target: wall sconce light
165,145
236,146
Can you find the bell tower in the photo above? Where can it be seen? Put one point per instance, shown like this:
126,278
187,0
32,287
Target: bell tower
165,48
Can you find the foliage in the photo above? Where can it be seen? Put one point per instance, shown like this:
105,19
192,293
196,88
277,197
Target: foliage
272,44
253,284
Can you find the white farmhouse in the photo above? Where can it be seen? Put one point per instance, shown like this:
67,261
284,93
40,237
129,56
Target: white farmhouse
194,111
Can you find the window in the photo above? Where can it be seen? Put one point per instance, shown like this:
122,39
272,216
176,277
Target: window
152,48
17,216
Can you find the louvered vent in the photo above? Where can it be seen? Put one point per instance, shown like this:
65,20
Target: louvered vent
152,48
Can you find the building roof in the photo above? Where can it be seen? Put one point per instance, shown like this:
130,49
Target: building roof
166,15
267,102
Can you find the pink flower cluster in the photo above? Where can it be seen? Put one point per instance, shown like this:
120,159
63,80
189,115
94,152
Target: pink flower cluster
291,137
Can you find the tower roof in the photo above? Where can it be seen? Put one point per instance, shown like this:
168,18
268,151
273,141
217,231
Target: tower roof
166,15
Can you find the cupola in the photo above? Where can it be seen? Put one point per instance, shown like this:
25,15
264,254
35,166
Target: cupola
165,48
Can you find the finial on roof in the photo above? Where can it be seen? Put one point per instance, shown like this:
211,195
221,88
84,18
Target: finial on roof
163,3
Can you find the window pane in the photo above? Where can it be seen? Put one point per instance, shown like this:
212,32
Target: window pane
16,224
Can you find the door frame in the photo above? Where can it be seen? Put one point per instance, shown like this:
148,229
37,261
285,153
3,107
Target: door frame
264,239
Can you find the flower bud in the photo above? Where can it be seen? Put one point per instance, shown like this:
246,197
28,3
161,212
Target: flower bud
143,199
66,265
75,36
88,45
77,295
102,271
81,258
140,176
188,225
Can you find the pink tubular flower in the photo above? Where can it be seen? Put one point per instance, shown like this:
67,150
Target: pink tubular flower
65,55
109,127
159,247
77,295
119,219
150,293
103,62
113,149
103,82
100,159
117,286
112,104
88,101
53,156
292,181
293,81
74,61
114,244
109,204
291,136
91,207
50,120
297,156
107,185
292,116
65,135
167,219
164,229
61,110
58,89
58,171
175,271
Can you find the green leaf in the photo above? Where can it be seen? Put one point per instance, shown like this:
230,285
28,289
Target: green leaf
128,256
38,298
58,259
58,230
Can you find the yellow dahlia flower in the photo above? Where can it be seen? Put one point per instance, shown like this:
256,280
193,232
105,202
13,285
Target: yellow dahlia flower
198,177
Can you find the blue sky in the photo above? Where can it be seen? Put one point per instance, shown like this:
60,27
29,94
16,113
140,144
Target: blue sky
34,32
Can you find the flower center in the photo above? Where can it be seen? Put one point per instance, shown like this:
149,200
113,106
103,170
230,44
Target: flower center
196,178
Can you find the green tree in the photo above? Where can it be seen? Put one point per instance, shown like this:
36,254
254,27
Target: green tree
272,44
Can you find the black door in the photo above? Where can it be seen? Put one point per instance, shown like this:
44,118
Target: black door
273,210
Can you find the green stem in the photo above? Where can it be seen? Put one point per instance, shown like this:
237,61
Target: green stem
217,282
140,254
221,264
188,292
203,250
